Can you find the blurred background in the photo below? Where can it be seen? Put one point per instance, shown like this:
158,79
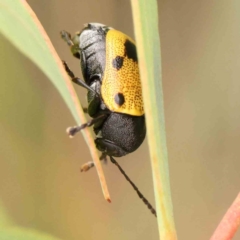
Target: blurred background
40,182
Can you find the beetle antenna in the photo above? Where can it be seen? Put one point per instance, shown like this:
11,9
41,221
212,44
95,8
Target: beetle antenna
146,202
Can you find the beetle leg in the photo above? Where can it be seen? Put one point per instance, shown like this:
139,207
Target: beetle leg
67,38
68,70
86,166
76,79
109,147
71,131
74,46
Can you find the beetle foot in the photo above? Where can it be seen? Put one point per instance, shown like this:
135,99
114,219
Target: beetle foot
71,131
66,37
86,166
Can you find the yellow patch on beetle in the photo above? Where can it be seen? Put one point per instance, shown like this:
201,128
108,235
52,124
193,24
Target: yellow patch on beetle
121,87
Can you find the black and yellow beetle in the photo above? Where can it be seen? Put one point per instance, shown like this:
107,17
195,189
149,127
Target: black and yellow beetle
111,75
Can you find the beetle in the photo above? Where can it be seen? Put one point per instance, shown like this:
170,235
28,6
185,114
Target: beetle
109,65
111,75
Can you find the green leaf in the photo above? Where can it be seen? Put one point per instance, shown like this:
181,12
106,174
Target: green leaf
15,233
18,26
145,18
21,27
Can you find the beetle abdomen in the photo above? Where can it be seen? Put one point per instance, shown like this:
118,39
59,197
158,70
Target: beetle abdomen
125,131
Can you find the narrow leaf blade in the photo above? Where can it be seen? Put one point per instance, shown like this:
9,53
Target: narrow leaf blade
21,27
145,17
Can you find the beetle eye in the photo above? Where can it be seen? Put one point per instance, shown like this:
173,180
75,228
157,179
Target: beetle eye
76,54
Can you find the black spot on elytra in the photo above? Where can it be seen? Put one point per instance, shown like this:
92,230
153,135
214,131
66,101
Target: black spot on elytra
119,99
117,62
130,50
